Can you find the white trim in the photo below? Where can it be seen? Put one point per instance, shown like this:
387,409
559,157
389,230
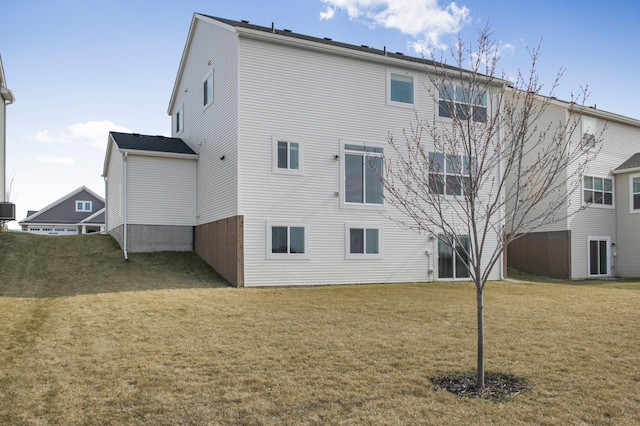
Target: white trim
274,155
84,204
343,192
347,241
159,154
436,260
271,255
631,209
596,238
213,93
613,192
400,73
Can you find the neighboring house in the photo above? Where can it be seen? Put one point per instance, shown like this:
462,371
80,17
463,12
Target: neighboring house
7,210
275,185
151,192
79,212
603,239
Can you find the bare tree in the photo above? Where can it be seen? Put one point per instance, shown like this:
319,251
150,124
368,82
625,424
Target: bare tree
489,166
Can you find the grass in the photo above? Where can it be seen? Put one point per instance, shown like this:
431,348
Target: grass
192,351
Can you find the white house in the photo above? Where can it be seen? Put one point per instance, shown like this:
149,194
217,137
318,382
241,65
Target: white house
601,235
283,127
7,210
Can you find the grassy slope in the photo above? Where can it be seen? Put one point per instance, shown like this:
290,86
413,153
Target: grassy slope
186,353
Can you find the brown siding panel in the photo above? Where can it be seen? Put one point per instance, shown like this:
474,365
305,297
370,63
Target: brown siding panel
544,253
220,244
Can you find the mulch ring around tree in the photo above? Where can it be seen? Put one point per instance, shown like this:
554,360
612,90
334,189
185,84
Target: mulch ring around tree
497,387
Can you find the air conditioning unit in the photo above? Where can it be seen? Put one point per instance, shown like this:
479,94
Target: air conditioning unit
7,211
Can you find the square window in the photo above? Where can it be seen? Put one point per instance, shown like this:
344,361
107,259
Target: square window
84,206
401,88
286,240
363,241
597,191
450,174
459,102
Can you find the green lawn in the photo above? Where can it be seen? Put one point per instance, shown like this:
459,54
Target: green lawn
161,340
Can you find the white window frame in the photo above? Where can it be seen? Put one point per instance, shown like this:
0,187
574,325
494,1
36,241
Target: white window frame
596,238
343,192
589,129
613,192
456,102
402,74
271,255
209,80
347,233
178,122
84,205
447,173
274,155
455,260
631,209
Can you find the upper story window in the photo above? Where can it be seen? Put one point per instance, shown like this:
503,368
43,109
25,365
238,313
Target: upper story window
207,89
361,167
450,174
401,88
635,193
458,101
179,120
84,206
589,125
598,191
287,156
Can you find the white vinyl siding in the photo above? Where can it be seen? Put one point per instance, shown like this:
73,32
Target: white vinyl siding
160,191
114,196
212,131
304,98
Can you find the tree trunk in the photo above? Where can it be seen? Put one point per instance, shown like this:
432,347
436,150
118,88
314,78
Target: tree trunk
480,373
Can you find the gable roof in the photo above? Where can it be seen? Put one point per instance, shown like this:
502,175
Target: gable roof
32,216
135,143
632,164
96,218
284,36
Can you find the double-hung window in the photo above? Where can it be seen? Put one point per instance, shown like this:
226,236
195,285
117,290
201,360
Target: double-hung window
207,89
456,101
453,264
589,125
83,206
363,241
362,166
598,191
286,240
450,174
634,181
401,89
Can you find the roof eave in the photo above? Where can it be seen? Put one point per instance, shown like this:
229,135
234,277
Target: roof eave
159,153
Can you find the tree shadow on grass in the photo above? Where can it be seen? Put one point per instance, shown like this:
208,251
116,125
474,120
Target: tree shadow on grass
41,266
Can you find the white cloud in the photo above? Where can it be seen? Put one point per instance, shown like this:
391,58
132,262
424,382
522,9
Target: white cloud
422,19
93,133
50,159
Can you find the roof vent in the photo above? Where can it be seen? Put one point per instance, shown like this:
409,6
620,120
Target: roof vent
160,136
244,22
286,30
400,53
364,45
328,39
137,135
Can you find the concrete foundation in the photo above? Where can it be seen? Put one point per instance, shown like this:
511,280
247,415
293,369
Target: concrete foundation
150,238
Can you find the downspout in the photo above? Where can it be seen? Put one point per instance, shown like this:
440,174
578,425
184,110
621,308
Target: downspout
500,178
124,205
106,203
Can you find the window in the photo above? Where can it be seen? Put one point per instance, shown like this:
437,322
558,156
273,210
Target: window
450,174
363,241
207,89
598,191
287,156
361,183
589,126
635,194
180,120
458,102
401,88
83,206
286,240
453,264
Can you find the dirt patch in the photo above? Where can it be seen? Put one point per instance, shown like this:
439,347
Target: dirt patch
497,387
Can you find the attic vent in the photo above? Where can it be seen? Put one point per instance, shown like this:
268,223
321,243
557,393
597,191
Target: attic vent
244,22
286,30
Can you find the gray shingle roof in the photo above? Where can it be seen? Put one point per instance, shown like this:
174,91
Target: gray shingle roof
136,141
631,163
328,41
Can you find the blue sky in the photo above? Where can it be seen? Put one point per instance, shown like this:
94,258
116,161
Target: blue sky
79,68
